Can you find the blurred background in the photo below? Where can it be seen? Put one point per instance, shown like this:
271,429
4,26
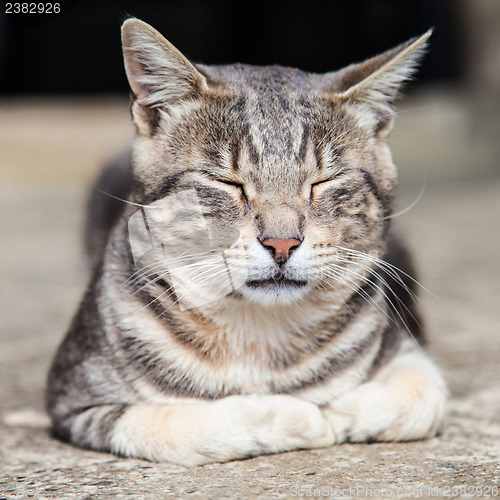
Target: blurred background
64,112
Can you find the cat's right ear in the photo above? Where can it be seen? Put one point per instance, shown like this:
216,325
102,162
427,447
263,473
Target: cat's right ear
158,74
374,83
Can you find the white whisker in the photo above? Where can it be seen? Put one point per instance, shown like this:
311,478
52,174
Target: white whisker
124,201
386,296
355,288
413,204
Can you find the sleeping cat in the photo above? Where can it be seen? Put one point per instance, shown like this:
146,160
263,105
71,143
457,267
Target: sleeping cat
282,316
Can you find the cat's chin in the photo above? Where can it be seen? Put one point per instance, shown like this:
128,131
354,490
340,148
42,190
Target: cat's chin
271,292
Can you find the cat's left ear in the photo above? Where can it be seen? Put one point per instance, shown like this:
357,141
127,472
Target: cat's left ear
159,75
375,83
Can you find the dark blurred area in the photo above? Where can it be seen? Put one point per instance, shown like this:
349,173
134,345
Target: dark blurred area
78,50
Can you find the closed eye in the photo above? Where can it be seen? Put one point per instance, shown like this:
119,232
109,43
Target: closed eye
320,182
331,178
232,183
235,184
323,181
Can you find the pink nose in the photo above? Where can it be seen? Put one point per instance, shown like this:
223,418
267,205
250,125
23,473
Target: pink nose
281,248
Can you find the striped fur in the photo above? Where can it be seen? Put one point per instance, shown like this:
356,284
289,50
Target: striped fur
303,353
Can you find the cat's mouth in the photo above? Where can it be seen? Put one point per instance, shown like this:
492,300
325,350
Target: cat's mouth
276,283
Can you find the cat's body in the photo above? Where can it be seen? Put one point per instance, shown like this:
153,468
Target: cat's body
314,347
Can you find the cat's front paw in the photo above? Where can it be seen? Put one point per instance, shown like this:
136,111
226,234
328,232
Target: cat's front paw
270,424
406,407
364,414
226,429
341,421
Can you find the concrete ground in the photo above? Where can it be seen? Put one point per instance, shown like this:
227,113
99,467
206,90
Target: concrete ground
49,152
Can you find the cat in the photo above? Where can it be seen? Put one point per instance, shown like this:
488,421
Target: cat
281,314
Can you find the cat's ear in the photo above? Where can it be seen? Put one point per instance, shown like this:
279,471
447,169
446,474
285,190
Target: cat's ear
158,74
376,82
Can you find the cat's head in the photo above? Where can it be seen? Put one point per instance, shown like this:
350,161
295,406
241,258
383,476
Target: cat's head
295,162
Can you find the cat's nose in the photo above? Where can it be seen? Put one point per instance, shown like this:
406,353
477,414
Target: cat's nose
281,248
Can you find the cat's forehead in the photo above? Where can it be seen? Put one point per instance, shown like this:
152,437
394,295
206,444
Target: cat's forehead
271,95
250,79
270,118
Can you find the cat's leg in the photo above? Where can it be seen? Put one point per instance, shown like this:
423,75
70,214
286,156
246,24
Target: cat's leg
404,401
205,431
